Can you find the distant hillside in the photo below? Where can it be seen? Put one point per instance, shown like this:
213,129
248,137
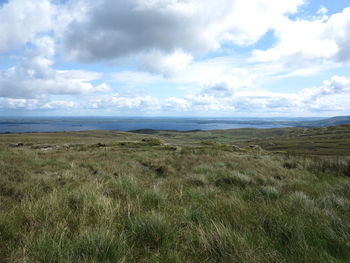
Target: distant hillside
339,120
265,123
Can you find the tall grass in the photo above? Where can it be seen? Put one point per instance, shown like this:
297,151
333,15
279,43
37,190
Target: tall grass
139,201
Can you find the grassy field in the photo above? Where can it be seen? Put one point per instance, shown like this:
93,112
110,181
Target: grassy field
332,141
274,195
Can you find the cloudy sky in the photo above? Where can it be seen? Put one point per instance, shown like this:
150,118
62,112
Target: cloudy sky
175,57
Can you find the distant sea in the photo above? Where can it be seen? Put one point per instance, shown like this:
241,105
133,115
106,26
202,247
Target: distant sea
59,124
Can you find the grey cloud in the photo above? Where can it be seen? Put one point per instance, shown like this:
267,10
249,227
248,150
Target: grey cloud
343,55
221,89
336,85
118,28
338,28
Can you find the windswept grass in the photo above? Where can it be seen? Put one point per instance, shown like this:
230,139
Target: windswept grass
120,197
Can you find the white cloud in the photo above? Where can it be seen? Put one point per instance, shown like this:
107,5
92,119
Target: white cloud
34,77
319,41
165,64
120,102
336,85
177,104
35,104
22,20
251,19
331,98
208,72
322,11
9,103
61,104
333,95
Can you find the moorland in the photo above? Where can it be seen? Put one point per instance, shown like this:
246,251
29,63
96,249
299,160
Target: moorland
240,195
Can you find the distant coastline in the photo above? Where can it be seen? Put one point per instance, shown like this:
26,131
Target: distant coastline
15,125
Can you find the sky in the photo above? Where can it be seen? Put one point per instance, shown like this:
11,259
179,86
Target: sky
222,58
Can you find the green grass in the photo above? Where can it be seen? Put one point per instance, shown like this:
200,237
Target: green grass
315,141
175,197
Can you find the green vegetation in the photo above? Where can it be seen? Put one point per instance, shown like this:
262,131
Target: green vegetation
333,141
218,196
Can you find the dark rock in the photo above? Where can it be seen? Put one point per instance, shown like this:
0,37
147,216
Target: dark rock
20,144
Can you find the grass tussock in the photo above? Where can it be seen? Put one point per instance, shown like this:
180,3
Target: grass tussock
120,197
235,178
149,231
340,167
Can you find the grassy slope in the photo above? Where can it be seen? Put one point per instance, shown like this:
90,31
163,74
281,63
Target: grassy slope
316,141
339,120
63,198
